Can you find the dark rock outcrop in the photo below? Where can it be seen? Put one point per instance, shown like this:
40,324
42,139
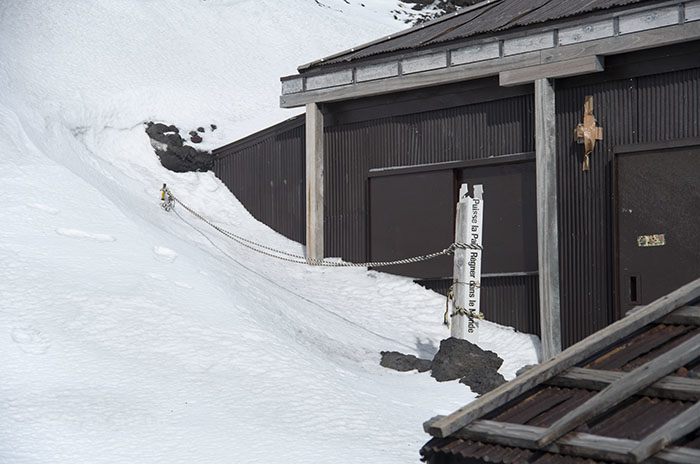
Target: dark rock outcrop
173,154
460,359
404,362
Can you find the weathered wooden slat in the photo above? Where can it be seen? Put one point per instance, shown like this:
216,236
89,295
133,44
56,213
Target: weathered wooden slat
671,387
547,217
687,315
314,182
574,444
628,385
596,342
673,430
568,68
412,81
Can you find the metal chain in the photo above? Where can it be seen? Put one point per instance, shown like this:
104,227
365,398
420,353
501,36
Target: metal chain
168,201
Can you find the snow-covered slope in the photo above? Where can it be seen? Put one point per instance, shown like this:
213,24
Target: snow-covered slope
133,335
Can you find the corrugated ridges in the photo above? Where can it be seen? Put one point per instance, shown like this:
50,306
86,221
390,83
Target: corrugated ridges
487,18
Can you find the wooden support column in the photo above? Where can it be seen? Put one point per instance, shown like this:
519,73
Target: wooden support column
314,182
547,218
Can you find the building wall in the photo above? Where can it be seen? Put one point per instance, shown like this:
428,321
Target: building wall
266,172
633,102
631,110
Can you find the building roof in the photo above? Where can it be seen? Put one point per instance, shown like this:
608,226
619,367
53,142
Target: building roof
625,394
483,18
519,41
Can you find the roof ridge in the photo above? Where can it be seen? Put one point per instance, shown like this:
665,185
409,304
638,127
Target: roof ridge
460,25
431,23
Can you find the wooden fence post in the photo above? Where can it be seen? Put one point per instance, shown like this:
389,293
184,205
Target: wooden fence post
467,264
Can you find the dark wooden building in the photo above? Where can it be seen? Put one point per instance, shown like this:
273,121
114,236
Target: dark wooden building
493,95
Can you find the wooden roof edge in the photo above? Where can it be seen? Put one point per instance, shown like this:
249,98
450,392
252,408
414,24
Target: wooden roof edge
627,385
448,425
685,315
577,443
400,33
670,387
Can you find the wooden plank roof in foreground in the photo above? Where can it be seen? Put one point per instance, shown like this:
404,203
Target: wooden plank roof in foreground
628,393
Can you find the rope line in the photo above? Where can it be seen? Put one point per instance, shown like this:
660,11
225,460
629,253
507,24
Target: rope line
458,310
168,201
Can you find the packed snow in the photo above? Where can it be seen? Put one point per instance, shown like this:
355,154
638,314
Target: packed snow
134,335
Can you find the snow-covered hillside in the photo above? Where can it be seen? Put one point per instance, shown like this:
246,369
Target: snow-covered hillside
132,335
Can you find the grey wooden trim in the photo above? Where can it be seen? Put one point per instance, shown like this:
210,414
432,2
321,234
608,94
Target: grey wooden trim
628,385
445,426
547,217
412,81
568,68
586,32
650,19
692,11
528,43
607,46
687,315
653,146
671,387
625,43
495,160
509,274
314,182
673,430
574,444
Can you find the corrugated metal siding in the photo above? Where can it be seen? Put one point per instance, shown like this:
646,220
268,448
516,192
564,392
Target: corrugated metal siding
585,206
463,133
653,108
659,119
268,177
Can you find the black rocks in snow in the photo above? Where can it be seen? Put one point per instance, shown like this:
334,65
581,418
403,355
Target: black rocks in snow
404,362
456,359
460,359
173,154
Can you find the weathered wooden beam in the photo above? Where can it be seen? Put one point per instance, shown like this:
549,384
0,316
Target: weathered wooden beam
687,315
629,384
575,444
411,81
547,217
671,387
445,426
566,68
314,182
625,43
675,429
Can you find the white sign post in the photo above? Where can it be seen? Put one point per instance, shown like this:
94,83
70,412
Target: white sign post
467,265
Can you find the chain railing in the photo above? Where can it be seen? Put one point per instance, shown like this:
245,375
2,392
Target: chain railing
168,201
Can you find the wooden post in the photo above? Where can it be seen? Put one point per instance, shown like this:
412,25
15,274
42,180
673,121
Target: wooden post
547,218
467,263
314,182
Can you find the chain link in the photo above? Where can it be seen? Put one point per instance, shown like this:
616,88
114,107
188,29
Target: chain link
168,201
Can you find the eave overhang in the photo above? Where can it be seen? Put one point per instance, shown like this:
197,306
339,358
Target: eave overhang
558,50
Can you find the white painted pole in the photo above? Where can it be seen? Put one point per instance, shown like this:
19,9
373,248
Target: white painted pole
460,270
467,264
476,216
